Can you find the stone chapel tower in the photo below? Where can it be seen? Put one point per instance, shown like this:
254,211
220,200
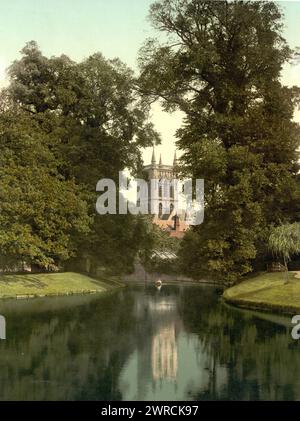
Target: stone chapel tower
162,194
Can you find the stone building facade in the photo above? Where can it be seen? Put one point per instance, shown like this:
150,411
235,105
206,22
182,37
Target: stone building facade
163,188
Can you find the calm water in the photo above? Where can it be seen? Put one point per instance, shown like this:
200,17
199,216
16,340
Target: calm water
141,344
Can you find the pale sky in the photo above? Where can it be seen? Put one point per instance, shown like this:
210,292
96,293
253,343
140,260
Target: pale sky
117,28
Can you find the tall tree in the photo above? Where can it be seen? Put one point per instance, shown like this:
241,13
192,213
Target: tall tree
89,118
221,65
91,109
42,215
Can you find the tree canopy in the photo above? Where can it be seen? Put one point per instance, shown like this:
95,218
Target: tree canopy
284,241
63,126
220,64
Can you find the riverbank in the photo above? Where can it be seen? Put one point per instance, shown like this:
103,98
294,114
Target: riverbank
267,291
52,284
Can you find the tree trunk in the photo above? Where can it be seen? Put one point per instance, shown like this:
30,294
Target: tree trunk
286,270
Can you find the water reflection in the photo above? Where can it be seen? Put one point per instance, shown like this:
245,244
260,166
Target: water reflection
141,343
163,311
164,354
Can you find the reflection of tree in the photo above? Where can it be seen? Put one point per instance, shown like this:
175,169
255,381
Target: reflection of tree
248,358
74,353
78,352
69,352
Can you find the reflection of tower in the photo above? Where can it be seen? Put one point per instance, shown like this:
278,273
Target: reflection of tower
164,354
156,356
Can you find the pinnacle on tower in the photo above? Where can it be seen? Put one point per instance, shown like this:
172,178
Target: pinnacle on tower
153,160
175,159
160,161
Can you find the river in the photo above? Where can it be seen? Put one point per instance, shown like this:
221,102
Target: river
138,343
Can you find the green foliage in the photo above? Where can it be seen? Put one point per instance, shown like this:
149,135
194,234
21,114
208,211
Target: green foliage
157,240
41,212
284,241
91,110
115,242
221,65
63,126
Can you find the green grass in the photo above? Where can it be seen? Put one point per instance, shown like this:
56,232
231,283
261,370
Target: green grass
48,284
267,291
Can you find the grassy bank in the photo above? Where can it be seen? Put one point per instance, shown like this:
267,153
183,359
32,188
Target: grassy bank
51,284
267,291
